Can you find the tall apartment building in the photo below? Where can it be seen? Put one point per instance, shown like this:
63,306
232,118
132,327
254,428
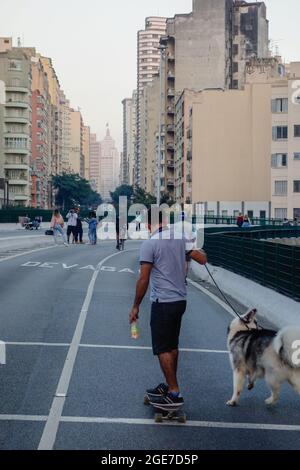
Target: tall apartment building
41,137
285,176
86,151
95,155
109,166
76,155
148,62
65,111
56,116
129,140
15,125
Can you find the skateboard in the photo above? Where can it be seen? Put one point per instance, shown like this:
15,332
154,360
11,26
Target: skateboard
162,416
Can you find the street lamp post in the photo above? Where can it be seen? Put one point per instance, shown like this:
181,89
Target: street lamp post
162,49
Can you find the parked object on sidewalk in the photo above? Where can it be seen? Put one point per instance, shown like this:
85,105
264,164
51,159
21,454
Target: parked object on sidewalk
258,353
49,233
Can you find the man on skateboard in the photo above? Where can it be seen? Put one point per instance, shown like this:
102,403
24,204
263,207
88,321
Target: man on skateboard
163,264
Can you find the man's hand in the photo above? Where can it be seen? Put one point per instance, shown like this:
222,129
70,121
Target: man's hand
134,315
199,256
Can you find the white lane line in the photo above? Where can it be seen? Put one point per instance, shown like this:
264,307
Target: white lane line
51,427
27,253
150,422
192,424
46,345
22,237
147,348
212,296
22,418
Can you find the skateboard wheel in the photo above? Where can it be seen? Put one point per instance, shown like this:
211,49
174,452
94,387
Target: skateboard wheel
158,418
146,401
182,419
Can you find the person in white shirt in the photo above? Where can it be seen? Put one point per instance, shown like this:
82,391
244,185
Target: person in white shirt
72,224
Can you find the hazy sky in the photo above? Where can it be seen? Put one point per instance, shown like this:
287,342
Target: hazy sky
93,45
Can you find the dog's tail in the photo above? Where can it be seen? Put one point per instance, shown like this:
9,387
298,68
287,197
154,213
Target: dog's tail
287,346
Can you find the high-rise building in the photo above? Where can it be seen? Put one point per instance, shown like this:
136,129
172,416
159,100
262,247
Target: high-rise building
66,132
76,155
109,166
95,155
203,50
41,136
86,151
15,125
148,61
129,140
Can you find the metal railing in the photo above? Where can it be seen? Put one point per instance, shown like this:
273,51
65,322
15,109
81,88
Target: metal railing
250,254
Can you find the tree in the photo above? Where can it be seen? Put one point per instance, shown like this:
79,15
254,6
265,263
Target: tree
74,190
123,190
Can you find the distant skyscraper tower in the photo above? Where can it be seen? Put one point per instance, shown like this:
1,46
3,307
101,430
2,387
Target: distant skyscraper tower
109,166
148,62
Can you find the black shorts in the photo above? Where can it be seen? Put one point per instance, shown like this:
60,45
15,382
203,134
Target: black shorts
165,326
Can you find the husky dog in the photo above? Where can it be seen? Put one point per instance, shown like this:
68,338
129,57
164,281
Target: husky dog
258,354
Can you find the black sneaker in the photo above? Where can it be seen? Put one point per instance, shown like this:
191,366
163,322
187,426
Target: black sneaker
167,402
160,391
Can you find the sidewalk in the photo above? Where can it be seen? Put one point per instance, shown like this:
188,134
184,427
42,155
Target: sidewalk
276,308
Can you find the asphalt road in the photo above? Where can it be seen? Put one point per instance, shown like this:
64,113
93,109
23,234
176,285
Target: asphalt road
74,379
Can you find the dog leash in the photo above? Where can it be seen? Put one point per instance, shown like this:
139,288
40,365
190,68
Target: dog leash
225,298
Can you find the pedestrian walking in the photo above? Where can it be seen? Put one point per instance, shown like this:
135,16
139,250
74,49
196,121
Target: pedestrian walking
72,225
57,225
138,221
79,228
92,223
240,220
163,264
122,237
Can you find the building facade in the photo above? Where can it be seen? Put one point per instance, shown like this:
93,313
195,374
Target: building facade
148,62
41,137
95,155
129,140
76,155
285,160
109,166
86,151
15,126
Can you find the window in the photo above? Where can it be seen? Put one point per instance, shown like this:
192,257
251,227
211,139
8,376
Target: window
15,65
281,213
235,84
297,186
236,213
235,49
280,132
262,214
296,213
235,67
280,105
297,156
211,213
224,213
281,188
279,160
297,131
250,214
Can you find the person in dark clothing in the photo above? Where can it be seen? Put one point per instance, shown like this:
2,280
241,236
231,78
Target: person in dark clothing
240,220
79,229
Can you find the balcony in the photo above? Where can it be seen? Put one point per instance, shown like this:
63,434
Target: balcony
189,179
17,182
171,128
15,166
171,57
171,92
16,150
171,75
17,119
19,89
189,156
170,164
170,182
170,110
17,104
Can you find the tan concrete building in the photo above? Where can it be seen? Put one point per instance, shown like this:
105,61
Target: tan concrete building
285,176
109,166
76,156
95,155
86,151
129,140
231,147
